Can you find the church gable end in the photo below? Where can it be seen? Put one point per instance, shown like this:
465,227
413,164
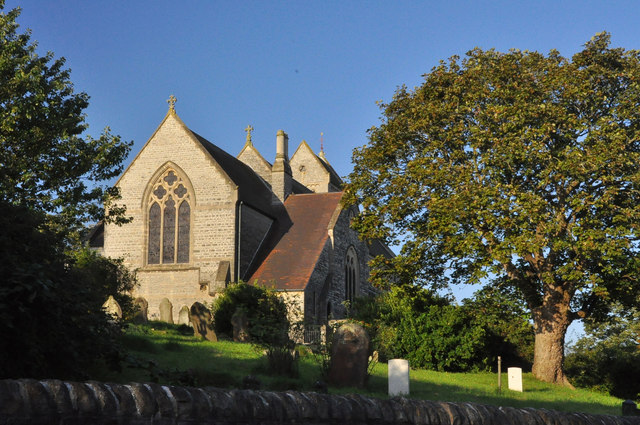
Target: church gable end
202,218
252,157
310,170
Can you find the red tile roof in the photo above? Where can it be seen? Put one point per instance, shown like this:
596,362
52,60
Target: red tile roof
290,263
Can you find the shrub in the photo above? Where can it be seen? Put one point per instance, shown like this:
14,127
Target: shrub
501,311
607,358
415,324
51,321
106,276
268,324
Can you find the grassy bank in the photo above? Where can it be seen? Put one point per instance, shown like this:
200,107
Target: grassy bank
162,353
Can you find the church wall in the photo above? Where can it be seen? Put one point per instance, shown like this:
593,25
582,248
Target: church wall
253,159
317,290
212,224
254,228
306,169
343,238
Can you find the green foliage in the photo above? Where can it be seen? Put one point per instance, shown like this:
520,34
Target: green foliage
262,306
414,324
224,364
51,319
268,323
516,165
509,332
52,323
607,358
106,276
46,163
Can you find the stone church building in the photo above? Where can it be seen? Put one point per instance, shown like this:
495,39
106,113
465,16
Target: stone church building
203,218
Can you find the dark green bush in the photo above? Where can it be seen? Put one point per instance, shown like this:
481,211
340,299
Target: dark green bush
418,325
106,276
268,323
607,357
507,324
415,324
51,321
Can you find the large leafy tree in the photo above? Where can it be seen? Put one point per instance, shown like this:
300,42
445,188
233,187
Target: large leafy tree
51,320
46,161
516,166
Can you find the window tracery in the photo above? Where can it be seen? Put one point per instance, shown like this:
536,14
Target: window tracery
169,220
351,274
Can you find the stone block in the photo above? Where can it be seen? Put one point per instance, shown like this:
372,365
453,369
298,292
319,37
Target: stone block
349,356
514,375
398,377
112,308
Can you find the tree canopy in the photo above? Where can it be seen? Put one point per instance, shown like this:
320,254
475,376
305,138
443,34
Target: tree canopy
515,166
46,161
51,318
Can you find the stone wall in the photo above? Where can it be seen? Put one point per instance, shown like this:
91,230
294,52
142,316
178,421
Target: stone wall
56,402
343,237
254,228
307,169
212,197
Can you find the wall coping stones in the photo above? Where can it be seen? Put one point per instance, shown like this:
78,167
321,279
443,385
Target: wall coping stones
53,402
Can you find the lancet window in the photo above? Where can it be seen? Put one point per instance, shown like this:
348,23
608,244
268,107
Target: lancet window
169,220
351,274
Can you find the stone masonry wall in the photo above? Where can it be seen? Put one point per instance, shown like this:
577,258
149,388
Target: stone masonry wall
51,402
256,161
317,290
307,170
344,237
254,228
213,200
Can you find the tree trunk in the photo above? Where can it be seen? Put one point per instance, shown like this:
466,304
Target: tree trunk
551,323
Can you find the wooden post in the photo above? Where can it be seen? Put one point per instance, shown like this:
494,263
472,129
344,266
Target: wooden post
499,374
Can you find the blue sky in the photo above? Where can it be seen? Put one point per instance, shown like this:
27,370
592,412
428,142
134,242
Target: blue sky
302,66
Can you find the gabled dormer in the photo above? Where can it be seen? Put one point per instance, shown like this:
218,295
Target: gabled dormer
252,157
314,171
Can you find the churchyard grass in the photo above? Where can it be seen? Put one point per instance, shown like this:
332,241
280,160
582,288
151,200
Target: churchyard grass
169,355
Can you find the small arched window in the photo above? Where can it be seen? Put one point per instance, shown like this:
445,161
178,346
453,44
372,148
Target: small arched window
169,220
351,275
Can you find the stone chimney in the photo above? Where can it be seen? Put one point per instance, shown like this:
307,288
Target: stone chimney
281,170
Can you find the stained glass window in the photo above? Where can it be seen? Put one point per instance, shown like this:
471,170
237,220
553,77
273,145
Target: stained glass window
154,234
351,274
169,230
184,214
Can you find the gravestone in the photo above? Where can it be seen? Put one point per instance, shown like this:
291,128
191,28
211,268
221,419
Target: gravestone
112,308
142,310
201,319
183,316
240,325
398,377
349,356
514,375
166,311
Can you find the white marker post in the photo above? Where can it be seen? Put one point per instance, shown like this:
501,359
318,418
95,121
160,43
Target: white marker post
515,378
398,377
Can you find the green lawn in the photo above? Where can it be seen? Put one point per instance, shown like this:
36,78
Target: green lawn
159,352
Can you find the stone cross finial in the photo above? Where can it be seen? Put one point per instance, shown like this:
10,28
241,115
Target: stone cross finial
172,103
249,129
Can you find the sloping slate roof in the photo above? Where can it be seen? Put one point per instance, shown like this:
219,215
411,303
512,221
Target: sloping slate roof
251,188
302,237
378,248
334,178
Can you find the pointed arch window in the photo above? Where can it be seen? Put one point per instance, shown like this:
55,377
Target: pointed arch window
169,220
351,274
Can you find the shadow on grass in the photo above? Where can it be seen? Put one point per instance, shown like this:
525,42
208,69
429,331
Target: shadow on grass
536,395
167,356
